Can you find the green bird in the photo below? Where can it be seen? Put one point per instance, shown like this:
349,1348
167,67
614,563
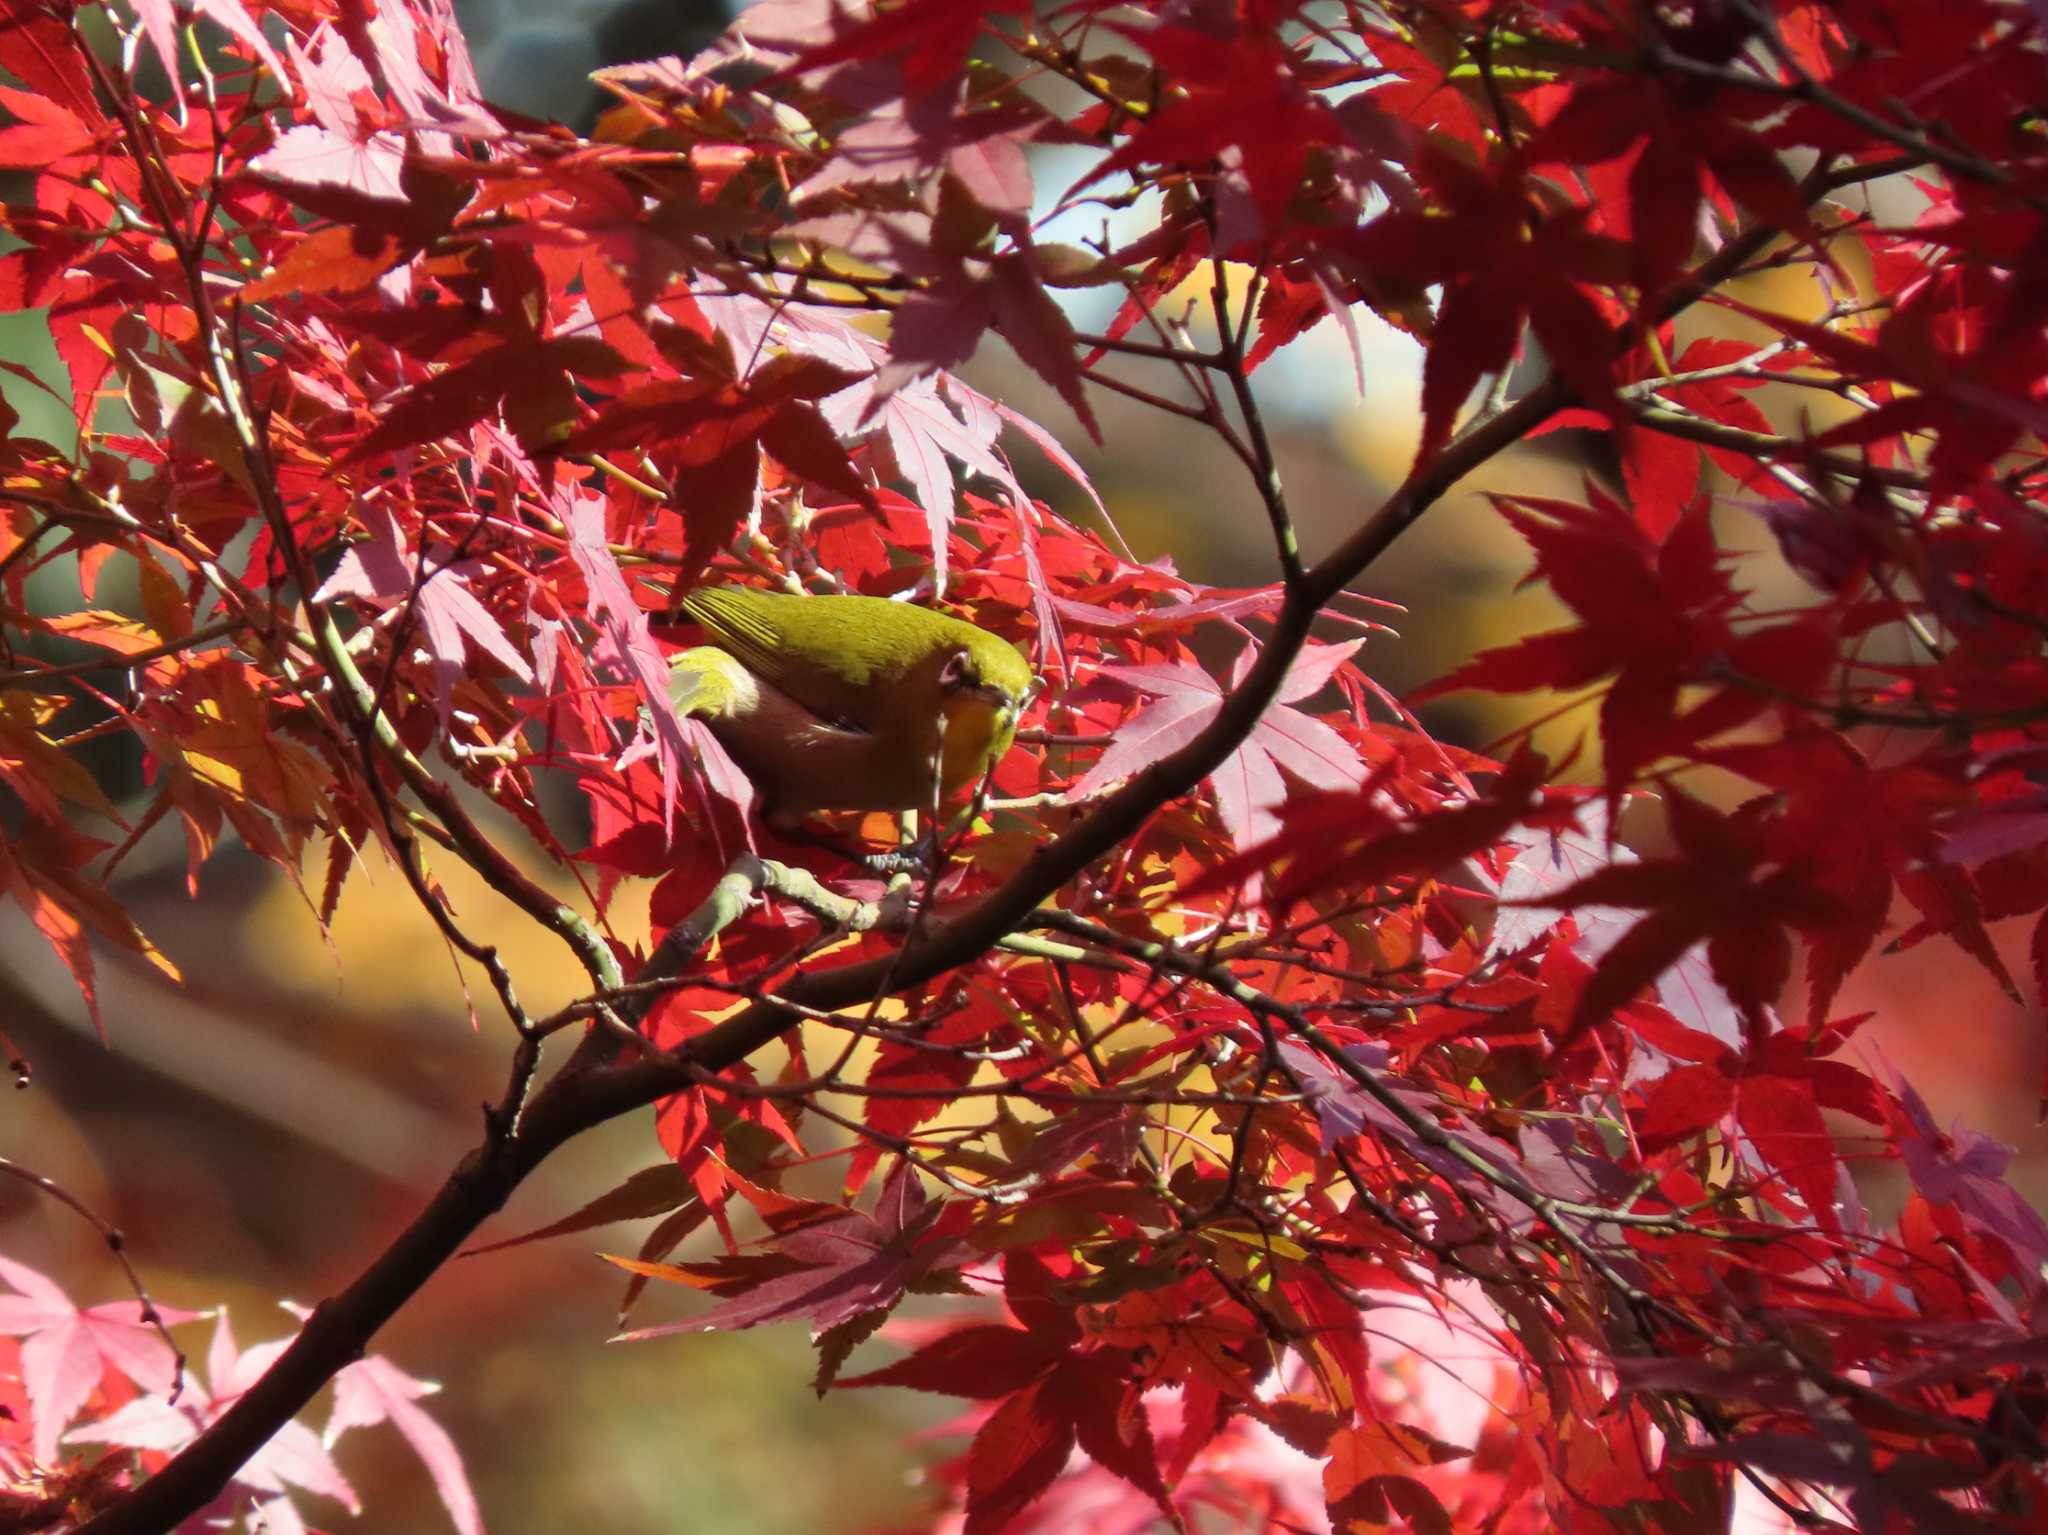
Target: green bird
848,703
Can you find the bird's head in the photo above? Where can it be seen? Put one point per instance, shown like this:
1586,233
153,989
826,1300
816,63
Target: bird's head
983,686
993,673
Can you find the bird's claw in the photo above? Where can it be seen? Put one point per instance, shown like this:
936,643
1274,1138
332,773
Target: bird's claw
911,858
915,857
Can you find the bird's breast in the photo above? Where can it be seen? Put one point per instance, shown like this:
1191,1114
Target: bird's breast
797,761
800,762
976,731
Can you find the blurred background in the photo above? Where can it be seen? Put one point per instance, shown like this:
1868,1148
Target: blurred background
263,1131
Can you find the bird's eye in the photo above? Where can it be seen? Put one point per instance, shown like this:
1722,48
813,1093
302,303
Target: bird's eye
959,672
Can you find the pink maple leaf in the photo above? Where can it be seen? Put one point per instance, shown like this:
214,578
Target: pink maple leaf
373,1391
66,1351
1249,786
1966,1170
162,21
924,434
353,140
625,645
294,1456
342,146
451,620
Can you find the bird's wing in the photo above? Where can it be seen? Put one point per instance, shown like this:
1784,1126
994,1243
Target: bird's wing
746,626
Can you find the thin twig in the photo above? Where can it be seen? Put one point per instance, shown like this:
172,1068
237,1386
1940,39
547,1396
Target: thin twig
35,677
117,1244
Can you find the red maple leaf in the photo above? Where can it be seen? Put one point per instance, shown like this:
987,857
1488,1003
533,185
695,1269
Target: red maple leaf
1238,92
1053,1390
1502,259
1726,888
1656,618
708,435
1854,829
1685,139
824,1264
933,35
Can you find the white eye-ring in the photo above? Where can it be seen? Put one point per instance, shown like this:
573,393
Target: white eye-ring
959,671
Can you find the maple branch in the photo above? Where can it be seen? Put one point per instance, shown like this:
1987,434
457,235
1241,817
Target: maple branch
1193,366
1166,955
107,514
1063,60
1843,713
1155,350
1912,136
372,723
1676,421
906,1147
1160,402
745,881
117,1244
39,676
27,547
1265,470
1426,485
412,864
1176,961
590,1091
398,828
1063,1096
1496,101
1751,366
226,365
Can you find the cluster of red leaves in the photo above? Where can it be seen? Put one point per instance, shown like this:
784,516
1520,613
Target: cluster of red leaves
1368,1053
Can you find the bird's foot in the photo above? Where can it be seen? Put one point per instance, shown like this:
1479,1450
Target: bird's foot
916,858
911,858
